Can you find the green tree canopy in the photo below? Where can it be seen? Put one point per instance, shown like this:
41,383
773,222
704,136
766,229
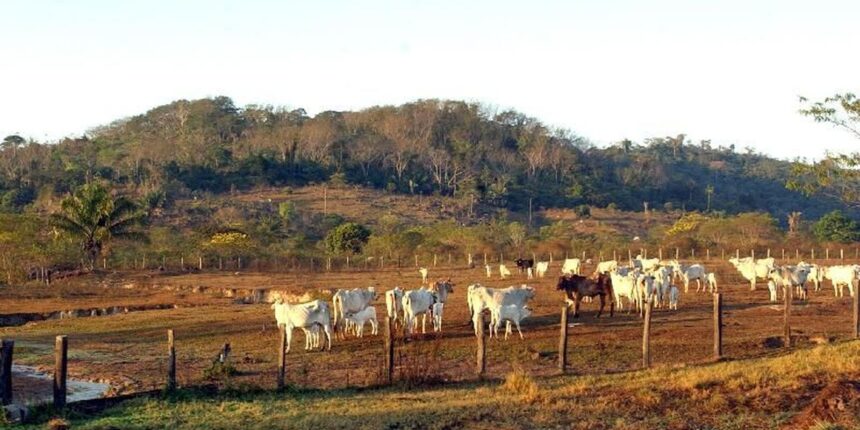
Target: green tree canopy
348,237
836,227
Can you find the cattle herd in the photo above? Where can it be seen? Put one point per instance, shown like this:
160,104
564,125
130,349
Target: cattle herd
643,282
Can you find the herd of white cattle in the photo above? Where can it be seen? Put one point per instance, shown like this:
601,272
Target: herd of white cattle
642,281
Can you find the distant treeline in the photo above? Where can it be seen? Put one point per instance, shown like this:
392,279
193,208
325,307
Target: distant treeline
465,150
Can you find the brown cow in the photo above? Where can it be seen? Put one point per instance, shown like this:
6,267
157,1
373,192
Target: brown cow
576,287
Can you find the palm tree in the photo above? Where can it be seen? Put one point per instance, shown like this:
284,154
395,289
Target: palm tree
95,217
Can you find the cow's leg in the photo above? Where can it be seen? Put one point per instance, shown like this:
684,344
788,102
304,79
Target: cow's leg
507,329
602,304
289,332
518,329
576,301
375,324
424,323
327,331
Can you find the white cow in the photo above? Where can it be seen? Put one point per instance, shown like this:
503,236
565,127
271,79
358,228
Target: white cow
360,318
789,277
479,298
842,276
438,309
393,302
423,271
541,268
624,286
530,274
692,272
489,271
673,298
571,266
645,264
305,316
606,266
712,282
508,314
662,282
816,274
351,301
503,271
417,302
751,269
771,288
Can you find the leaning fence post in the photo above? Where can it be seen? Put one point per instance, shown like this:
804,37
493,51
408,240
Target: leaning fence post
6,347
718,326
562,341
171,361
646,337
481,365
389,349
61,355
282,356
786,326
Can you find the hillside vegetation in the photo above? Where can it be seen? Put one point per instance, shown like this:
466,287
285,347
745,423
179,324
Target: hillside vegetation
504,159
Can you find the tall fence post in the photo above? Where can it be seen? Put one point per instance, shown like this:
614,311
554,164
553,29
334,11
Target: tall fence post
841,253
481,364
718,326
827,254
786,327
61,355
660,253
6,348
856,314
783,253
416,260
812,253
562,341
200,262
677,253
171,361
282,356
646,337
708,254
434,260
389,349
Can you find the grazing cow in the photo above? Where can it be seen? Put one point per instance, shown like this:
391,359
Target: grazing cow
606,266
305,316
752,269
489,271
712,282
508,314
790,277
360,318
523,264
503,271
576,287
417,302
351,301
842,276
423,272
438,309
571,266
541,268
692,272
673,298
644,264
393,302
480,298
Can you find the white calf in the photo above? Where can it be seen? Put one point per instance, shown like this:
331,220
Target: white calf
571,266
503,271
417,302
509,314
423,272
358,319
541,268
607,266
489,271
689,273
771,288
530,273
673,298
712,282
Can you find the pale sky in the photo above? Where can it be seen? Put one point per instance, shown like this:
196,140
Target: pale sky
729,71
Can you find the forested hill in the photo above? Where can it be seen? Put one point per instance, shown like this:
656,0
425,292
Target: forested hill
455,148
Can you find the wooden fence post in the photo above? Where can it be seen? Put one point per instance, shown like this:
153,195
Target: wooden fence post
677,253
796,253
200,262
629,255
481,365
718,326
646,337
6,348
737,253
434,259
660,253
812,253
389,349
783,253
61,355
171,361
550,257
104,263
416,260
827,254
485,259
708,254
282,356
562,341
752,253
768,253
692,252
614,255
841,253
856,303
786,325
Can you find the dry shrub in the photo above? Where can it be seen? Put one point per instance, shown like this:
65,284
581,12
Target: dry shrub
421,364
518,382
58,424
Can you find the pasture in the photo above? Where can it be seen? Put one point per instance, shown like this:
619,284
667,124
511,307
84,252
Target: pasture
129,349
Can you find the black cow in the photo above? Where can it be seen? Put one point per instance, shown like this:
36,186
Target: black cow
576,287
523,264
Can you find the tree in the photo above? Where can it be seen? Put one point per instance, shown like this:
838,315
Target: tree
794,222
709,191
837,175
94,217
348,237
836,227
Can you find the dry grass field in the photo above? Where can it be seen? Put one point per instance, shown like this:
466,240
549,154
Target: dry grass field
129,349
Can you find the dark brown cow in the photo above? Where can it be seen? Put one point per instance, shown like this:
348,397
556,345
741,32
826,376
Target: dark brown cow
576,287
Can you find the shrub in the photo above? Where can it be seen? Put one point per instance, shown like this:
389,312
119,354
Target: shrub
582,211
519,382
348,237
